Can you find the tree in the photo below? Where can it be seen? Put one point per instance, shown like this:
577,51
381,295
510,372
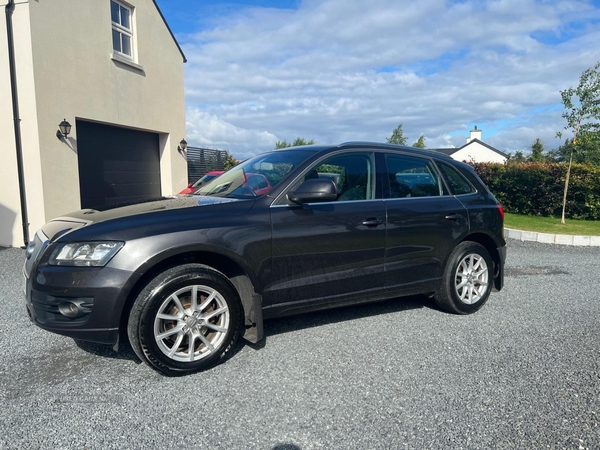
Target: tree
537,151
397,136
230,162
588,150
518,157
420,143
582,107
299,141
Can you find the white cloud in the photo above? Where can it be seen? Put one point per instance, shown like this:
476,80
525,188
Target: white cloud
209,131
337,71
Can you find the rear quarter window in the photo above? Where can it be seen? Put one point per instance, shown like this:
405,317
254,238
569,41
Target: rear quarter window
458,183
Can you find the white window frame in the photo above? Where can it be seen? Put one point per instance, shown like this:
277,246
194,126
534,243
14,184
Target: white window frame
129,32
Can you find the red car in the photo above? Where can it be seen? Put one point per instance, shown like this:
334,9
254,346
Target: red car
193,187
259,184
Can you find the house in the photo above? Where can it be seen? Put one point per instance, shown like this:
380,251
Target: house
475,150
112,71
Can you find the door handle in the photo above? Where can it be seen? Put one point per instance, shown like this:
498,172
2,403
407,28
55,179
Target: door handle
372,222
452,216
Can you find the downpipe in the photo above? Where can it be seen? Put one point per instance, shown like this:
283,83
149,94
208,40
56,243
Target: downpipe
9,9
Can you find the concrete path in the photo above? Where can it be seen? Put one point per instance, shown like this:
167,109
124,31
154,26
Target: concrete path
547,238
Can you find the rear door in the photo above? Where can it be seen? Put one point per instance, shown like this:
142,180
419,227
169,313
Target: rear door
424,224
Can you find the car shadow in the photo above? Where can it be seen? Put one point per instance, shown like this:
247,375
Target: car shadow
282,325
107,351
312,319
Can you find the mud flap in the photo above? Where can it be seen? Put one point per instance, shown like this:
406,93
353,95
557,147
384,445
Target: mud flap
253,330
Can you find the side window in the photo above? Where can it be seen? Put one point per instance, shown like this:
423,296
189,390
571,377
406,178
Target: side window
352,173
411,176
458,184
122,29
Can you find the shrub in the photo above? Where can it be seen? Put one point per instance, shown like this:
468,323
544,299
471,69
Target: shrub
537,188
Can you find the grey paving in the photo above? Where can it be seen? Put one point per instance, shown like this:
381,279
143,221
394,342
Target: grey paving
551,238
522,373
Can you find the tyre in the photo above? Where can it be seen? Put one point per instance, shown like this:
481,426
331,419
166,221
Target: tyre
185,320
467,280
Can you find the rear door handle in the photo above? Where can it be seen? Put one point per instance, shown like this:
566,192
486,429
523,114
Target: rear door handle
453,216
372,222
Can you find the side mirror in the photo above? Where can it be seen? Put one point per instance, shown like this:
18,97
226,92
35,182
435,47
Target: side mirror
314,190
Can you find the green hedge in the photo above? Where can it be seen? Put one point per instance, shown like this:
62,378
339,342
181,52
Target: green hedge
537,188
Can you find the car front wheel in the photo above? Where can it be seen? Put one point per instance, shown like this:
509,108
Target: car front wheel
185,320
467,280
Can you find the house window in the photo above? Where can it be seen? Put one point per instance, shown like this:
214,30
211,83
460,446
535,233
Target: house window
122,29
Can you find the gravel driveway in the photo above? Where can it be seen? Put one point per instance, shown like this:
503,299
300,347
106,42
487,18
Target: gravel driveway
524,372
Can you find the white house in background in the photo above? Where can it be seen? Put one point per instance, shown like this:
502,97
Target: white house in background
475,150
113,70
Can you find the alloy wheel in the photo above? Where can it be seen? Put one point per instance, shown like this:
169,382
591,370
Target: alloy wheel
471,280
191,323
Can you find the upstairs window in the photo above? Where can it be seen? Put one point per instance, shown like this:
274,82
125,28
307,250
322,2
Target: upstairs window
122,29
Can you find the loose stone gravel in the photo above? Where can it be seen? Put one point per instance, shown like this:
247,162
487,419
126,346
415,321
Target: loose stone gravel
521,373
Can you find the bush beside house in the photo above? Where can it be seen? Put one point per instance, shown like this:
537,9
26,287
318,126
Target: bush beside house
537,188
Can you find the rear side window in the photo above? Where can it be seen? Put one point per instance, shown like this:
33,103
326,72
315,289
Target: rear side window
412,177
458,184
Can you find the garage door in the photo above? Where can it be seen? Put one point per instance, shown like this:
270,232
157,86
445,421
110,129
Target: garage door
116,165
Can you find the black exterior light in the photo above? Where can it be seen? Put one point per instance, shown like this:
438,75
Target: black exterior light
182,146
64,128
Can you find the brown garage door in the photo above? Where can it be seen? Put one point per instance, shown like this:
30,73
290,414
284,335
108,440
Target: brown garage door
116,165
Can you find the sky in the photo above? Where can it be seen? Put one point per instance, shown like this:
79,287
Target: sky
259,71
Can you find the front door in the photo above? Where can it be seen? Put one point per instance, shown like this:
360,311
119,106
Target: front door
327,253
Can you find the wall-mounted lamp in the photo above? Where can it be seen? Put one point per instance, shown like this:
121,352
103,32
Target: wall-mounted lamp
181,148
64,128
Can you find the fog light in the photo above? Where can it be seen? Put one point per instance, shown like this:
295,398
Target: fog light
69,309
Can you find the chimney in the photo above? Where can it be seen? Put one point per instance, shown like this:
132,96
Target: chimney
475,134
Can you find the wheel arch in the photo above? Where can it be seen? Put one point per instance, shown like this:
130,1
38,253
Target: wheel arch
490,245
228,267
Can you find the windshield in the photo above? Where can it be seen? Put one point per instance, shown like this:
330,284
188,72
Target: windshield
256,176
205,179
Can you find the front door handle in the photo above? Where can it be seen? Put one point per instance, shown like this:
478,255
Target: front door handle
372,222
453,216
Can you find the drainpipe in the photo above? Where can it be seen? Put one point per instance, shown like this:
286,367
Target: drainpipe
10,6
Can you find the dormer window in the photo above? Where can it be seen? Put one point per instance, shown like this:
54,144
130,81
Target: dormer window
122,29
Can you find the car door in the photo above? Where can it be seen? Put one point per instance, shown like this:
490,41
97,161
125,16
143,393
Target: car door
331,252
424,224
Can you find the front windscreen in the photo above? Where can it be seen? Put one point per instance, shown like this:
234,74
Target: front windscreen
256,176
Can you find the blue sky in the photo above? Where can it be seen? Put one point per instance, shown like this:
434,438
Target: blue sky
259,71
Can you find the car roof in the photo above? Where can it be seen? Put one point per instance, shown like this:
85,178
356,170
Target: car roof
371,146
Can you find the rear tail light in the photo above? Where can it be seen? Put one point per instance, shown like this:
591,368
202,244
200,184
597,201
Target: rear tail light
501,209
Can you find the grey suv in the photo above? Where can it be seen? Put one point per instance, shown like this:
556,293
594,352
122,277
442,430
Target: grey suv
182,277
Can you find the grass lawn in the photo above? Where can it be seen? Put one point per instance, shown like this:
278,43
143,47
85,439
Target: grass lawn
552,225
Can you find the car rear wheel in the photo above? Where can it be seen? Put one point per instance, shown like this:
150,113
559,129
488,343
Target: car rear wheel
185,320
467,280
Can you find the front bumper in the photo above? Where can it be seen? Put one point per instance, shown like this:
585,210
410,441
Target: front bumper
70,316
80,302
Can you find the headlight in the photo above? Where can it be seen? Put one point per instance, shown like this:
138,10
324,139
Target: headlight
87,254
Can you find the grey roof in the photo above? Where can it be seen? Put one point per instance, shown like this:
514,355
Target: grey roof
446,151
451,151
